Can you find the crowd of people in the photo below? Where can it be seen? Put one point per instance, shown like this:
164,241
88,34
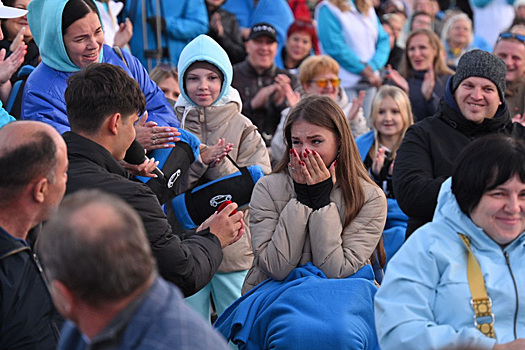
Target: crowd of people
253,174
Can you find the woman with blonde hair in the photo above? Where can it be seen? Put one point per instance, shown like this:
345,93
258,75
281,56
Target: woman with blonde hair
319,205
391,116
350,32
423,73
458,37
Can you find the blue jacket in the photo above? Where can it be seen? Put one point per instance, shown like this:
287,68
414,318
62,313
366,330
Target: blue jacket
305,311
185,19
276,12
5,118
163,321
44,90
396,221
44,93
424,300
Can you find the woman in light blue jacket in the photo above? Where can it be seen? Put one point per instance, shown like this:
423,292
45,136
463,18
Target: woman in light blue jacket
425,299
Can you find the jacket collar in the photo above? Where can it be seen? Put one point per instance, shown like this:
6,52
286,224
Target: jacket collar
81,147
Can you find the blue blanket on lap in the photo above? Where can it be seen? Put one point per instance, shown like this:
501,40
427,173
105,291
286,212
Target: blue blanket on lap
305,311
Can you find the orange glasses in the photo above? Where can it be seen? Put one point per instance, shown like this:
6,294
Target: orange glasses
322,83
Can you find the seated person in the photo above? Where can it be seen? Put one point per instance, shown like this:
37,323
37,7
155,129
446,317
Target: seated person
108,287
70,37
320,204
473,106
391,116
431,297
33,165
210,109
101,115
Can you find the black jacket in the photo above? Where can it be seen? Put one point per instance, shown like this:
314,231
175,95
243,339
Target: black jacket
28,319
190,263
426,156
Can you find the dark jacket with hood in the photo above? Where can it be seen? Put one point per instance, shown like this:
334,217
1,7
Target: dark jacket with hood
190,263
426,156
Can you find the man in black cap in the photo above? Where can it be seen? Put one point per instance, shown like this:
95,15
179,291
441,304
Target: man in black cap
261,84
473,106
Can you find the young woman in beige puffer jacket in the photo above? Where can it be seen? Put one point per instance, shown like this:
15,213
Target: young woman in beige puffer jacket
320,204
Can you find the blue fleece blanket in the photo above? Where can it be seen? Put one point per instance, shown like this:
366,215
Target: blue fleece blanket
305,311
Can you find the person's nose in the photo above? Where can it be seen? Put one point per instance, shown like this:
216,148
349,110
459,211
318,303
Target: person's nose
92,44
203,85
477,93
513,205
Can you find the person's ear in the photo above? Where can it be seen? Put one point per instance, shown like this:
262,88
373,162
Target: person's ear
63,298
39,189
113,122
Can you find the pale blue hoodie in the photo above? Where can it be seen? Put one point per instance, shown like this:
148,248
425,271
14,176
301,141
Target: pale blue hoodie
204,48
424,300
45,21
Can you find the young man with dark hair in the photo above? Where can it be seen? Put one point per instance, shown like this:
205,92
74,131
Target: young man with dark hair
101,116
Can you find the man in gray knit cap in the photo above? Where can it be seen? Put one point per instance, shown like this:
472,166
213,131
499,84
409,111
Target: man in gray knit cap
473,106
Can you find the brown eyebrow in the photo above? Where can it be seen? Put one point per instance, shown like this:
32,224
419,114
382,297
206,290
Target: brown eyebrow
310,137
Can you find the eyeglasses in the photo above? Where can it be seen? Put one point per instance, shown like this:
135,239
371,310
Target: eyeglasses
508,35
322,83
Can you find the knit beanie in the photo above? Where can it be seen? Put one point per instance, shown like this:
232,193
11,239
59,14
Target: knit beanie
479,63
205,65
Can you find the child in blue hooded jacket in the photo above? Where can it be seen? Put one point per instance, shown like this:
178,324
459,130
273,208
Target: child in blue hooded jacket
210,108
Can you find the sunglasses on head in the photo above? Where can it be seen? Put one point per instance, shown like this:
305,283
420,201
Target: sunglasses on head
303,24
322,83
508,35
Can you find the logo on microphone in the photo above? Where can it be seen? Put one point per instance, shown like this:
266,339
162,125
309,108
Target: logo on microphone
173,178
218,199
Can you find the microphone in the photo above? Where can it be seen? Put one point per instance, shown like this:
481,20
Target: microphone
136,154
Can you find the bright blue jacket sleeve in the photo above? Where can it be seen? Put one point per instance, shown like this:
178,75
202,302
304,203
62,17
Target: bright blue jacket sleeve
5,118
193,22
331,37
480,3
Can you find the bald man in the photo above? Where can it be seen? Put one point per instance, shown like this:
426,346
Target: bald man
114,301
33,165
